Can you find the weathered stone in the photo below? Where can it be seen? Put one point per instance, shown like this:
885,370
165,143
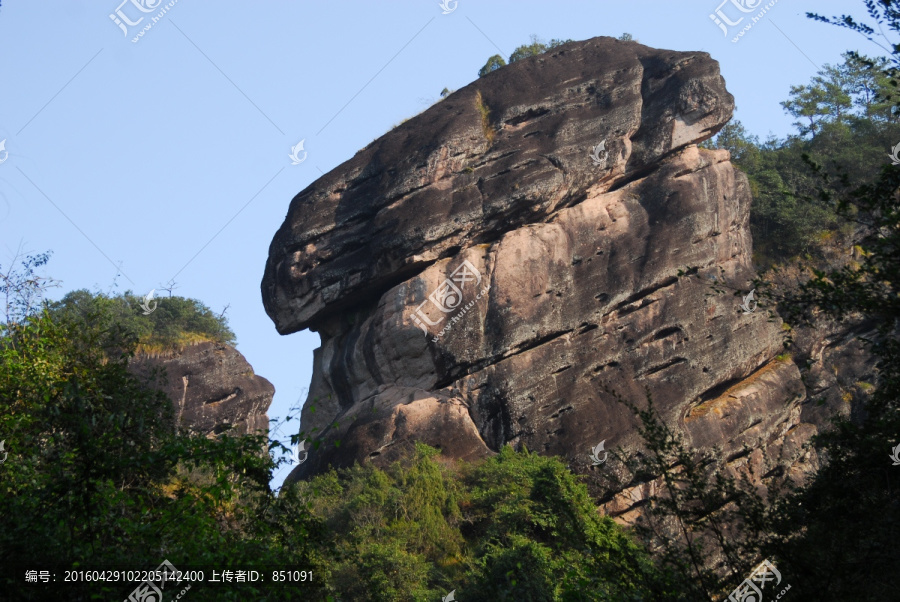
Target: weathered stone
579,271
841,370
507,150
212,387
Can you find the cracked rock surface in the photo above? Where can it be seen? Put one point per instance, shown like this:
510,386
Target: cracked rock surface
212,387
477,273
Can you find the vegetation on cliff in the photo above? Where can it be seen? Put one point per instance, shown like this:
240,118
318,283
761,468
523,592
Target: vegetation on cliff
844,123
174,321
829,537
97,475
99,478
535,48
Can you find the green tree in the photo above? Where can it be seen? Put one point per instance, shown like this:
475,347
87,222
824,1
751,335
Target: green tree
492,64
514,527
836,84
97,475
853,128
869,85
853,498
525,50
535,48
392,535
557,42
23,288
744,147
806,103
834,91
538,537
173,321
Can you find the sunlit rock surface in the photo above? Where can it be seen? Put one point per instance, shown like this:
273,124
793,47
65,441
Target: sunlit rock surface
479,272
212,387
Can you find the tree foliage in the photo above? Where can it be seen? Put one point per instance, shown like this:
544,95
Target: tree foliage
535,48
516,527
22,287
492,64
842,120
174,320
97,476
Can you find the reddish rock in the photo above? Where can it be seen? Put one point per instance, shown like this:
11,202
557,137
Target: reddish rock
479,272
213,388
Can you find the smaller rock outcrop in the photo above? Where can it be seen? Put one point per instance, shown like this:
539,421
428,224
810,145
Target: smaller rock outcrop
213,388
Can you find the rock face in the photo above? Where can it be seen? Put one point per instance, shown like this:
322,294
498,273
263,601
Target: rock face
213,388
841,370
479,272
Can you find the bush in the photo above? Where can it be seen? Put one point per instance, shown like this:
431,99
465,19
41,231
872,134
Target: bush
524,51
175,320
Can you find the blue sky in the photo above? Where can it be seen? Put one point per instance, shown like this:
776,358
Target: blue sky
168,157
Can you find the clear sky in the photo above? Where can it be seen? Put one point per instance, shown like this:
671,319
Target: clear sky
169,156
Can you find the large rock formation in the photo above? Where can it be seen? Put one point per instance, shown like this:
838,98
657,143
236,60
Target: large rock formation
477,273
213,388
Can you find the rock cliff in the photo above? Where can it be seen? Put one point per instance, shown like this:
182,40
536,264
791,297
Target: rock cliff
213,388
477,273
